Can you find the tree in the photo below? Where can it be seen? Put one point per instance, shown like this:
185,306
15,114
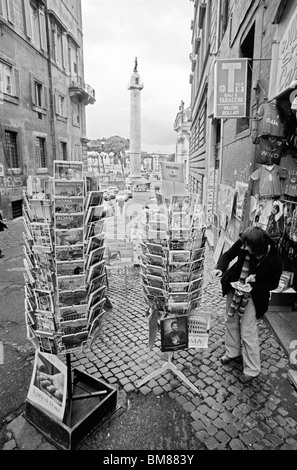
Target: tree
171,158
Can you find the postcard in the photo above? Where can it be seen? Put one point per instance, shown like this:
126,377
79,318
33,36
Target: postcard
155,249
48,387
195,294
182,234
155,281
46,342
197,264
69,237
160,242
94,213
71,205
158,226
69,298
156,235
96,283
95,270
68,171
44,301
94,198
194,304
69,221
40,210
155,260
42,235
197,273
174,333
179,256
73,312
66,283
96,310
155,270
196,284
96,327
71,268
96,228
69,189
178,297
178,287
72,327
43,279
181,204
180,221
45,323
180,245
97,241
179,267
197,254
75,341
178,276
178,308
96,296
155,291
69,253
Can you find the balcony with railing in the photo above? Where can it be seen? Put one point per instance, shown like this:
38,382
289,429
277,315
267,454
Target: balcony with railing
80,89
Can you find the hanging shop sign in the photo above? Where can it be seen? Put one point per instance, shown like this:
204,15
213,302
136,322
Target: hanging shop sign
230,88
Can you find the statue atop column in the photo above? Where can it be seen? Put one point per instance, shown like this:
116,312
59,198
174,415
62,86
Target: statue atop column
135,66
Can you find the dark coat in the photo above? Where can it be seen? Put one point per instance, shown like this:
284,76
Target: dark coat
2,224
268,272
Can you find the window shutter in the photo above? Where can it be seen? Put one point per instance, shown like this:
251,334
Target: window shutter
57,103
65,52
42,31
65,108
45,97
10,11
33,91
16,76
27,8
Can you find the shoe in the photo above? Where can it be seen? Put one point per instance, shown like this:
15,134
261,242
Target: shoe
226,360
246,379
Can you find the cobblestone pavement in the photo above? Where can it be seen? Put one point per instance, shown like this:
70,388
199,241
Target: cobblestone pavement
228,415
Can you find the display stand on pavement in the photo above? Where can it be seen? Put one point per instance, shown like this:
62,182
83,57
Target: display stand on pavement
65,284
168,365
171,270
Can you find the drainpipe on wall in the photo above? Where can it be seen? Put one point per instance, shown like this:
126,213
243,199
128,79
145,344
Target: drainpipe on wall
51,94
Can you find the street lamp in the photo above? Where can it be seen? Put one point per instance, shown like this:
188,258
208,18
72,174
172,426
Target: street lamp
103,141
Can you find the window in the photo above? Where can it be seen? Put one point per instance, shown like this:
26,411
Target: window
9,79
11,149
35,24
39,95
63,151
7,10
61,105
75,114
57,44
40,152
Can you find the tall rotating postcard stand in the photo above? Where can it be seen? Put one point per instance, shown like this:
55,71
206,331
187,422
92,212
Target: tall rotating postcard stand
172,263
65,285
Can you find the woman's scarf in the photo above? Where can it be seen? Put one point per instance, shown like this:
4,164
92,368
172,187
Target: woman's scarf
240,300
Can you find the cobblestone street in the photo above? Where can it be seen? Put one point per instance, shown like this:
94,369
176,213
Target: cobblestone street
228,415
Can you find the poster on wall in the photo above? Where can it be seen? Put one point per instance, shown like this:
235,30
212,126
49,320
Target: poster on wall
48,386
225,204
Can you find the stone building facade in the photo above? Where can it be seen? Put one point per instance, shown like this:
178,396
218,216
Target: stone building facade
222,151
43,93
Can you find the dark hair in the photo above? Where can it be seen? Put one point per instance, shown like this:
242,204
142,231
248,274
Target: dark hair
174,322
257,239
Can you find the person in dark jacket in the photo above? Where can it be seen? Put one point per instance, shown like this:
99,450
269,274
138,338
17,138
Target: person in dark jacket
256,270
2,227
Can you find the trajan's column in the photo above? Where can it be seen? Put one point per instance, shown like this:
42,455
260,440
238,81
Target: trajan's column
135,86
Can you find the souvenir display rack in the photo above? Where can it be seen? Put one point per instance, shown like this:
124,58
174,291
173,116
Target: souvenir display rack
65,278
171,270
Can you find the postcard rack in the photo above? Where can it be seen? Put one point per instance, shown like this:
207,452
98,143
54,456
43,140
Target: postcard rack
171,270
65,283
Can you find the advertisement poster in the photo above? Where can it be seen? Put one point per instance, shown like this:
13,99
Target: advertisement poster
225,204
198,329
48,386
69,205
69,188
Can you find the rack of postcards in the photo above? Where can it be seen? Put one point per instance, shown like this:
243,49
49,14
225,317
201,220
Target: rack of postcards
65,279
171,269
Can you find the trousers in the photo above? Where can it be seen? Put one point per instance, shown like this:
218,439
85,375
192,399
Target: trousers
241,337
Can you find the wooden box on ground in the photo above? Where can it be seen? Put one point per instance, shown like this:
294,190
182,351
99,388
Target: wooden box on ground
86,413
